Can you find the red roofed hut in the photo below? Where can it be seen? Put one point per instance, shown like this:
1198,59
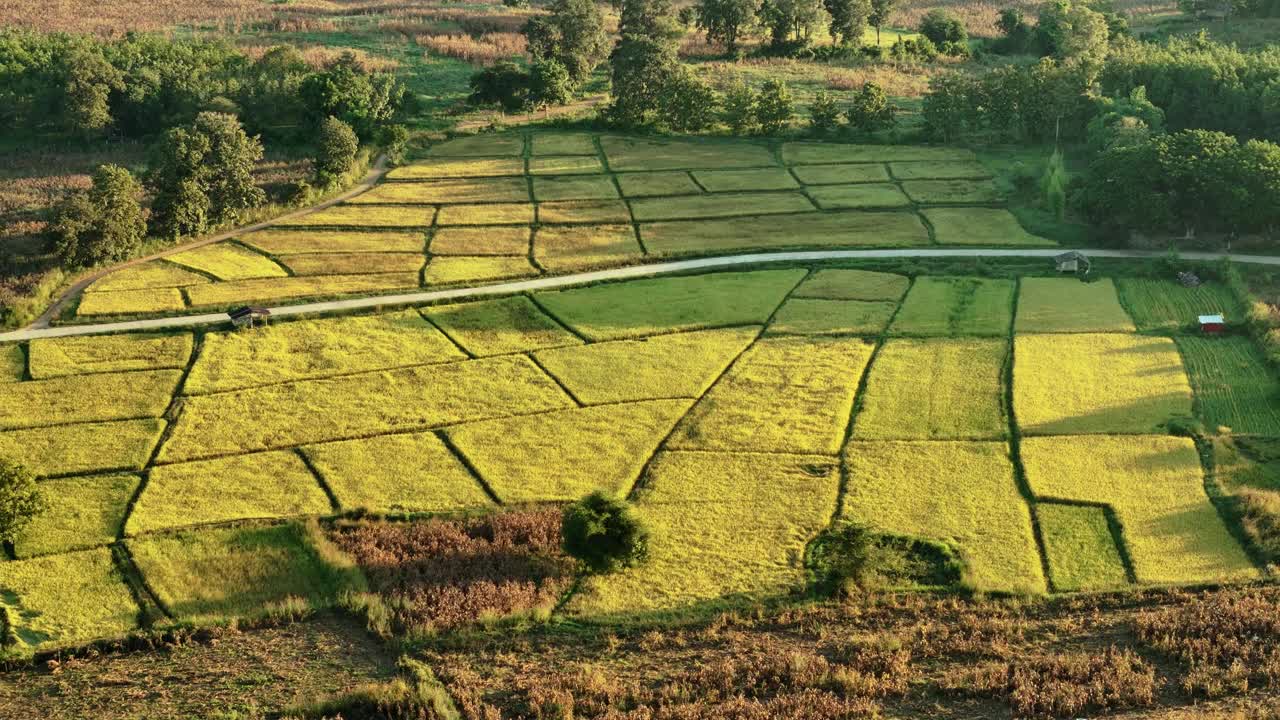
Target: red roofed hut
1212,324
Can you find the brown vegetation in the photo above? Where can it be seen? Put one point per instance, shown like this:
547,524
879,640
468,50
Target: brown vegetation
1061,685
482,50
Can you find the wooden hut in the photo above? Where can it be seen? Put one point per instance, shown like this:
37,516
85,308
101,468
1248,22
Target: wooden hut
1071,262
248,316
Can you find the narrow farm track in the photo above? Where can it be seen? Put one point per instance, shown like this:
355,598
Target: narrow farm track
39,330
374,175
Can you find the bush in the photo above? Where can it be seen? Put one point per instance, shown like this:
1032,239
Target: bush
849,557
871,110
1260,518
941,27
688,103
394,140
1053,185
918,49
603,534
740,109
336,154
824,114
774,107
20,500
503,83
103,225
549,83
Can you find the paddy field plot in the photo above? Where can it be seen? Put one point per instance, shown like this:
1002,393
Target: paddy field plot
808,316
55,357
784,394
848,284
584,211
1066,305
956,306
841,174
964,398
314,411
209,574
498,327
46,599
979,226
583,187
1080,548
131,302
1167,305
738,180
941,192
228,261
353,263
232,293
241,487
571,247
325,347
678,365
83,447
648,184
444,168
486,190
299,242
413,472
858,197
565,165
826,153
487,214
562,144
719,205
1155,485
722,525
83,512
1234,388
563,456
13,363
627,154
148,276
480,241
646,307
960,493
86,398
817,230
481,145
371,216
1097,383
943,170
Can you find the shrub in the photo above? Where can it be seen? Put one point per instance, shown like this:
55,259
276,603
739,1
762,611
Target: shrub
549,83
941,27
336,154
774,107
824,114
20,499
1063,685
850,556
740,109
917,49
688,103
603,534
395,139
871,110
503,83
1260,517
1053,185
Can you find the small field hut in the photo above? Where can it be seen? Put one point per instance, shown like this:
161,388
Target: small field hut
248,316
1071,262
1212,324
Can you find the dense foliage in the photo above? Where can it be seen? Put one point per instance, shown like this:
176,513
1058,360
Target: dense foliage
604,534
20,499
1021,103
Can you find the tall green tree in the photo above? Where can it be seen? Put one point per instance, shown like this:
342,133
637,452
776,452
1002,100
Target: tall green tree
642,67
1074,31
271,94
87,81
774,107
881,10
572,34
687,103
871,110
103,225
792,20
724,21
649,18
20,500
202,175
549,84
336,151
348,91
848,19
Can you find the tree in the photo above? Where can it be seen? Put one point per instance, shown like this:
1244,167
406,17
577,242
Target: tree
724,20
348,91
947,109
791,21
641,69
1017,34
824,113
774,107
549,84
20,500
1070,30
86,83
740,109
1118,193
848,19
648,18
688,104
880,12
1121,121
871,110
503,83
103,225
1196,172
1256,167
943,27
271,96
604,534
202,174
572,34
336,154
1053,185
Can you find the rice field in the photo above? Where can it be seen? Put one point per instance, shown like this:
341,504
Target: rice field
647,184
867,196
86,447
1166,305
979,226
480,241
499,327
459,270
323,264
68,599
228,261
148,276
1235,390
299,242
842,284
1080,548
808,316
56,357
828,153
130,302
578,187
956,306
841,174
490,190
809,230
86,398
721,205
738,180
84,512
1066,305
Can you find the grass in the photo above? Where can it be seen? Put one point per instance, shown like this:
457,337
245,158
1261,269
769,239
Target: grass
965,396
438,168
828,153
857,197
1081,551
83,448
213,574
979,226
791,395
130,302
566,165
627,154
946,170
715,206
818,230
55,357
571,247
498,327
368,216
961,493
805,316
562,144
45,598
565,455
841,174
1167,305
941,192
147,276
397,474
1097,383
722,525
1066,305
489,214
956,306
353,263
842,284
13,363
480,241
447,191
229,293
314,411
83,512
657,183
483,145
1234,387
737,180
1155,486
584,211
304,349
86,398
679,365
228,261
574,188
647,307
241,487
297,242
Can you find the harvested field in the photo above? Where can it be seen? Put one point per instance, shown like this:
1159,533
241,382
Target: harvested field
371,216
584,211
490,214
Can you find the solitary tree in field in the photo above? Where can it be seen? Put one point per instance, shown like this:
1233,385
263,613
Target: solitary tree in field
336,154
642,67
102,225
880,12
871,110
604,534
20,500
